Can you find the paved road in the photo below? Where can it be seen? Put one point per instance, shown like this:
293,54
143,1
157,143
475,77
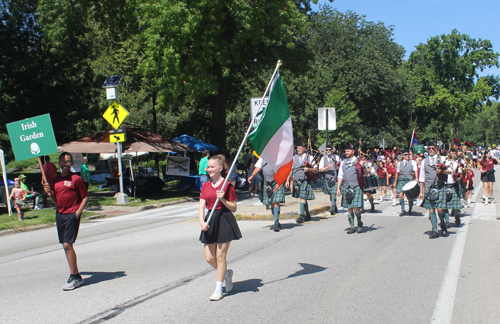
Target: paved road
148,267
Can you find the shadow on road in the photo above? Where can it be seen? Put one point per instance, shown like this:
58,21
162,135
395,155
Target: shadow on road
96,277
255,284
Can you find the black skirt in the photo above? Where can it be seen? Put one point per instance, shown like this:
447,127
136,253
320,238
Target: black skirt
223,228
488,177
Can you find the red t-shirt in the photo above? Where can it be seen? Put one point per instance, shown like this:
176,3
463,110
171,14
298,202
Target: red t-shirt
381,173
469,176
489,165
392,170
209,194
50,172
69,192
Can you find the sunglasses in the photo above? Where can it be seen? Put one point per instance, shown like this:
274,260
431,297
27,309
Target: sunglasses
432,148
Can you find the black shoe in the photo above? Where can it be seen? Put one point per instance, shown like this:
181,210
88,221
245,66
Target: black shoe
277,227
360,227
363,211
403,213
332,211
457,221
434,235
448,225
307,218
300,219
350,230
372,210
444,233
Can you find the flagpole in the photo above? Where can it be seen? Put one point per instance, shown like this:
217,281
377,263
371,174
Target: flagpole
243,141
411,142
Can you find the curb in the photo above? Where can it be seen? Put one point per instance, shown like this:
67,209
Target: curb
25,229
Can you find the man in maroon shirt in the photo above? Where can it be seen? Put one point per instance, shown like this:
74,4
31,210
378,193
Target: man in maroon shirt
69,194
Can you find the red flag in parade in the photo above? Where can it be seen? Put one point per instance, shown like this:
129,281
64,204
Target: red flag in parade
469,144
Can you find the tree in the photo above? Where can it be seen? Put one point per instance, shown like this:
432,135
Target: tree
444,73
195,50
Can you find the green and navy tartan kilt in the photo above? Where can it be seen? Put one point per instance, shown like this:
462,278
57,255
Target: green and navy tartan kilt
332,191
357,201
277,197
454,203
439,204
401,183
306,192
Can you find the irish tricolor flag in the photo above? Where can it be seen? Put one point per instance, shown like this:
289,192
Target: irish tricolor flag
272,135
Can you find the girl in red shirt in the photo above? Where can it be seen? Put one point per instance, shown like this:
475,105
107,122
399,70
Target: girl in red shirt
469,184
487,166
223,228
382,179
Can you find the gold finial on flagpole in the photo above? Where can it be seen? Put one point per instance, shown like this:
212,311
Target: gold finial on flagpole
279,63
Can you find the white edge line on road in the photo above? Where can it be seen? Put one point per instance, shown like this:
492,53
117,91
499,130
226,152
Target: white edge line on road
443,310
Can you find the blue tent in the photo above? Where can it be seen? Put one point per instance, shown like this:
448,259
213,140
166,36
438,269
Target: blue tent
196,144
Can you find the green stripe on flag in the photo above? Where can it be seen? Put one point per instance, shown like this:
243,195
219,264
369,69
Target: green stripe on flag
276,114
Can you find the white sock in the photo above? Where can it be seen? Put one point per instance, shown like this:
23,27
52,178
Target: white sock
218,286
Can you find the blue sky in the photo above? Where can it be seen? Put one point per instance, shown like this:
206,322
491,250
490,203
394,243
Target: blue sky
416,21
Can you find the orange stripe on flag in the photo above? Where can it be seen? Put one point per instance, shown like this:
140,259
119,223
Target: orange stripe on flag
282,174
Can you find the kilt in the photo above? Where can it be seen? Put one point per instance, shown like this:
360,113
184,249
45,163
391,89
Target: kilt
439,204
329,190
455,202
306,192
401,183
357,201
277,197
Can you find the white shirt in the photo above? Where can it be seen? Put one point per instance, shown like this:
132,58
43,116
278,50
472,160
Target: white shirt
341,170
421,177
452,166
413,163
331,158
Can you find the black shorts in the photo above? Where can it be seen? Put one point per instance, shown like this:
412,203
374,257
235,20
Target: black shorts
392,180
86,185
382,182
67,227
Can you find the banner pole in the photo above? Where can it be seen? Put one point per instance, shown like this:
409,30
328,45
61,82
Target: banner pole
411,141
243,141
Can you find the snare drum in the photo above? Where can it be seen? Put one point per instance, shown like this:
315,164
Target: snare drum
371,182
411,190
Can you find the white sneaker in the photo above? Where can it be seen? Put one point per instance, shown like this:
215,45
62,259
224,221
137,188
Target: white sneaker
217,295
228,282
37,208
381,198
73,283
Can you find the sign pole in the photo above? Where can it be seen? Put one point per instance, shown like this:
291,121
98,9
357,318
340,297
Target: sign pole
326,111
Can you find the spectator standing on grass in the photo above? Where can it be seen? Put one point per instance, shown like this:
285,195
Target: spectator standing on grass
30,193
85,172
202,170
18,195
69,194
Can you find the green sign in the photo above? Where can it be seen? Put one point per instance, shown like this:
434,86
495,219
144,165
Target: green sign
419,149
32,137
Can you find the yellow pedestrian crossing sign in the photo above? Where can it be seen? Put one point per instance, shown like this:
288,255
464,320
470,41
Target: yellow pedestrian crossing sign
115,114
115,138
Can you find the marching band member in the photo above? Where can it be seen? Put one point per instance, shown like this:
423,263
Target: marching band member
453,188
469,184
432,179
302,163
391,169
406,172
383,175
367,169
270,197
328,165
349,178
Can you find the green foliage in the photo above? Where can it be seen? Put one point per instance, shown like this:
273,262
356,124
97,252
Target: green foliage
444,73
